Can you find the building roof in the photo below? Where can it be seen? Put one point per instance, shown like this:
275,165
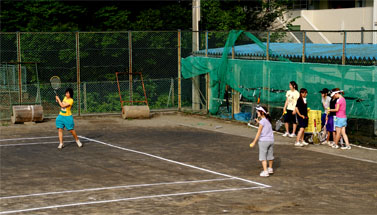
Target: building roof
290,50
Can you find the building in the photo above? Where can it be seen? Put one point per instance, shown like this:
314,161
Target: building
330,15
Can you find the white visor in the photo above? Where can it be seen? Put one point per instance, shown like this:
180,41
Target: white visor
260,108
335,92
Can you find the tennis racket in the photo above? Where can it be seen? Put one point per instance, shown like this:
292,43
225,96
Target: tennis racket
279,123
55,83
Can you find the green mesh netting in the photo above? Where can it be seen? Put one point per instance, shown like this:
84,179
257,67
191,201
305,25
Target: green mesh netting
271,79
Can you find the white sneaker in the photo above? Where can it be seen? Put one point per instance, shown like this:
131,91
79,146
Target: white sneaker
298,144
292,135
335,146
325,142
270,170
330,143
264,174
61,145
79,144
286,134
304,143
346,147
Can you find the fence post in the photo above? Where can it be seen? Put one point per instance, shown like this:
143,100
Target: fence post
344,48
130,65
78,72
303,46
179,71
19,67
235,94
207,77
269,71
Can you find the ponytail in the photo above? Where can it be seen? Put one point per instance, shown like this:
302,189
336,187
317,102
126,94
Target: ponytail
294,85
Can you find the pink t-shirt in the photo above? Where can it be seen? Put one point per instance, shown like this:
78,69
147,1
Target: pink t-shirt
342,108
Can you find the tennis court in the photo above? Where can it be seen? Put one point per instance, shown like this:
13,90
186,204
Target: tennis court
163,166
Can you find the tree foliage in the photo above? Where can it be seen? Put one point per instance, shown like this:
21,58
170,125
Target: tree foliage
54,15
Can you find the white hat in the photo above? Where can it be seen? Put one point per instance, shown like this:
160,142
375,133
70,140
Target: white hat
335,92
260,108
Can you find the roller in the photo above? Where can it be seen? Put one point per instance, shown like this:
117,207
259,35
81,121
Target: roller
135,112
27,113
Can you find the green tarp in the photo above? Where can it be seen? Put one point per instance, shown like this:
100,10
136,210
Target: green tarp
271,79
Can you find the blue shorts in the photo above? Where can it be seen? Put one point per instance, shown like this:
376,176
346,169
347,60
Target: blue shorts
65,121
330,124
340,122
323,119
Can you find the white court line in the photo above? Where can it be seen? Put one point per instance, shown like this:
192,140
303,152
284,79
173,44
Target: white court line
176,162
114,187
344,156
128,199
31,138
26,144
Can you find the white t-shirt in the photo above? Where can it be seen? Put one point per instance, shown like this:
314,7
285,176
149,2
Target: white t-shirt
292,99
326,102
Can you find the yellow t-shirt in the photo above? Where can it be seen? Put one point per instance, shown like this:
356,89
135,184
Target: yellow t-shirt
67,110
292,99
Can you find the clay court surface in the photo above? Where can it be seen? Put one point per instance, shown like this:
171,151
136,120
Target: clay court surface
176,164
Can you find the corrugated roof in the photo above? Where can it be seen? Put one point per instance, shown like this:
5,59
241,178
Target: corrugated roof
353,51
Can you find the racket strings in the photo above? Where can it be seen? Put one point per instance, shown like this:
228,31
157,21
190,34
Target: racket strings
55,82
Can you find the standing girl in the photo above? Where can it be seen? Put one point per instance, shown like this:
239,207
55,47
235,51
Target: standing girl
302,117
326,99
341,119
330,127
65,118
265,138
289,110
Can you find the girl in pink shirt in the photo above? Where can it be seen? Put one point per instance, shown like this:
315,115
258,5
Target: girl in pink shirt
341,118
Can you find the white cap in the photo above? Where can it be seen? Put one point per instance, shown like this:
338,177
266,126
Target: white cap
335,92
260,108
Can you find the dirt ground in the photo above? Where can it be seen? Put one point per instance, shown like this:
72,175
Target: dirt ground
176,164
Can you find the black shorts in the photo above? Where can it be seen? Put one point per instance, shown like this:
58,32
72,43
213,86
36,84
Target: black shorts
302,123
289,117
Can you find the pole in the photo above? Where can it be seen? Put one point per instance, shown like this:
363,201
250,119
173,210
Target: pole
303,46
195,47
269,71
344,48
235,94
130,65
207,78
78,72
19,67
85,100
179,71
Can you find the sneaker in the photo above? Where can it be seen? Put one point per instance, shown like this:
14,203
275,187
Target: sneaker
61,145
335,146
346,147
264,174
270,170
286,134
292,135
330,143
304,143
325,143
298,144
79,144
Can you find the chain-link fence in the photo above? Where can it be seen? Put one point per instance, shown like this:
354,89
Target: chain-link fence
88,61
